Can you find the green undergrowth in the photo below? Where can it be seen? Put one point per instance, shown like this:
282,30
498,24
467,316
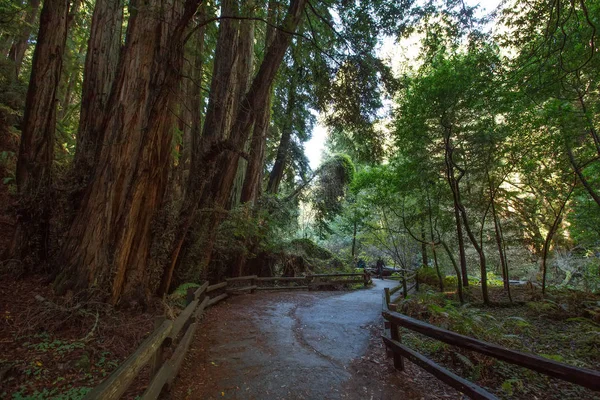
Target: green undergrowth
561,328
54,368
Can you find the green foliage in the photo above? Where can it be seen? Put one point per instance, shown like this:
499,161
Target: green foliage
336,174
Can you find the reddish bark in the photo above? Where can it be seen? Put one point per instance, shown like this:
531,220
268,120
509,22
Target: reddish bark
36,152
101,64
107,246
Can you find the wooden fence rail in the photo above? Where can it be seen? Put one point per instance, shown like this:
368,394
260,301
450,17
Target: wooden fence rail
581,376
152,350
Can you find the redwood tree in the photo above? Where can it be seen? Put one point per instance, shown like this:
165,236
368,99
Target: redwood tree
108,242
36,152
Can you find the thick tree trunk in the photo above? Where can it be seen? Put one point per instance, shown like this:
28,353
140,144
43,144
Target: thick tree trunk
221,158
19,46
101,65
108,242
36,152
254,171
244,74
190,155
252,188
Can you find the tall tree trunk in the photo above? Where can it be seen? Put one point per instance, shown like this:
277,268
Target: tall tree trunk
354,240
550,235
424,247
221,159
499,239
252,188
254,172
432,237
244,74
101,64
72,79
456,271
455,188
19,46
36,152
108,243
286,137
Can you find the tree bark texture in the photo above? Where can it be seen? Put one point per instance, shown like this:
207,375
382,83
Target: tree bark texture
284,144
36,152
101,63
108,243
220,160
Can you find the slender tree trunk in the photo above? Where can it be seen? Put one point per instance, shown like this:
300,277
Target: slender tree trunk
499,241
354,240
454,186
19,46
424,247
72,79
456,271
550,235
586,184
432,237
101,63
286,136
108,243
36,152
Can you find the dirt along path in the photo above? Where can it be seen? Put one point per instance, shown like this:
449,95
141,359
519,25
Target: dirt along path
311,345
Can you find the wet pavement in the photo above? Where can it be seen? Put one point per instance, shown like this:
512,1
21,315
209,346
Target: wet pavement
285,346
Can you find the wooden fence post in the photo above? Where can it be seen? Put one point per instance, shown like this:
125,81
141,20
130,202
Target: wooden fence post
157,359
404,287
387,296
190,295
398,359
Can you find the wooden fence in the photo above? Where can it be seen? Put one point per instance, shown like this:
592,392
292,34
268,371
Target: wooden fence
166,336
176,336
311,282
580,376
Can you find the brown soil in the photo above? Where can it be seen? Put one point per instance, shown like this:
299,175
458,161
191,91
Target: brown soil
54,345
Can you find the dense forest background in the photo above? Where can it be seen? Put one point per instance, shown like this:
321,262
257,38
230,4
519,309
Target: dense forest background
148,144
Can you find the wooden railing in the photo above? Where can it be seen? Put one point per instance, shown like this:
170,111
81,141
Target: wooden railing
313,281
404,287
151,351
581,376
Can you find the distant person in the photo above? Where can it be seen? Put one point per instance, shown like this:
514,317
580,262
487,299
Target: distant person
380,268
361,263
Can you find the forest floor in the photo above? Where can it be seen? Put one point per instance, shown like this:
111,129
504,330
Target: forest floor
561,326
54,347
299,346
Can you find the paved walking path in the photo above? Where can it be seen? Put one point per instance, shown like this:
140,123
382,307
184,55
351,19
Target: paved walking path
291,346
